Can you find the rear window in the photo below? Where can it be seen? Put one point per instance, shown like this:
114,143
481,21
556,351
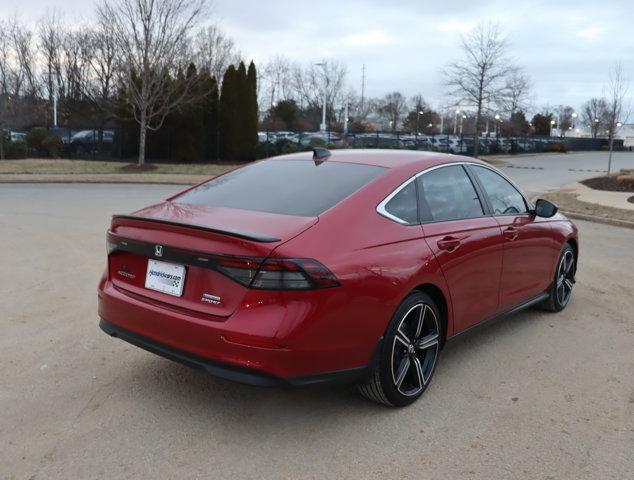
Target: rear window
289,187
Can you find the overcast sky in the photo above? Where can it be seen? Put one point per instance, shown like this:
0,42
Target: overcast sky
566,47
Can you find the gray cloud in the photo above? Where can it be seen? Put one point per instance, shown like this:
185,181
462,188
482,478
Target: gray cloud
566,46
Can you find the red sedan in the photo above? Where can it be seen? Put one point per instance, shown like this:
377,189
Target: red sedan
348,266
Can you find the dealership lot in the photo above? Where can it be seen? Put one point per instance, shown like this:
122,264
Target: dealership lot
536,396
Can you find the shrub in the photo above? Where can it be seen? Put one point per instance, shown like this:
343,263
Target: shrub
15,150
43,142
626,181
557,147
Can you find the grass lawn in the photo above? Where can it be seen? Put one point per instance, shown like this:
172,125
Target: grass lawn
95,167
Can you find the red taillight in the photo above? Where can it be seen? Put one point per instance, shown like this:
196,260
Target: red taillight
277,273
252,272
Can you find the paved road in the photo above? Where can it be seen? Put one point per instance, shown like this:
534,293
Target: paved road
540,173
537,396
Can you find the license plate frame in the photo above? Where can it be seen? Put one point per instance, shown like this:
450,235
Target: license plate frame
165,277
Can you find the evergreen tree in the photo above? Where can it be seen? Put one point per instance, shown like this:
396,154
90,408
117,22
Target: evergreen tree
228,117
187,141
209,87
242,112
251,124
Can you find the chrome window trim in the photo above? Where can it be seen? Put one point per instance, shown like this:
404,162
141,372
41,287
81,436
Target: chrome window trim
381,206
381,210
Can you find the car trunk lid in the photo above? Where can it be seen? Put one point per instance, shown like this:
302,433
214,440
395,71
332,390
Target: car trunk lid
203,241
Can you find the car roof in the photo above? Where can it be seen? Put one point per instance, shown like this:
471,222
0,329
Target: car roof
392,159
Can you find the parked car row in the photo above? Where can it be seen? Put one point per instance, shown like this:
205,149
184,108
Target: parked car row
446,143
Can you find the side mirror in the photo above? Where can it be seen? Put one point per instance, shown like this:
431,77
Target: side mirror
544,208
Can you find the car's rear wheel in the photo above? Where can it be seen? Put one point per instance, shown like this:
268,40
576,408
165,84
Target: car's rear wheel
561,289
408,355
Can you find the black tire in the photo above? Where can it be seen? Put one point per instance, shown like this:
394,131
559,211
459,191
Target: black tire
561,288
408,356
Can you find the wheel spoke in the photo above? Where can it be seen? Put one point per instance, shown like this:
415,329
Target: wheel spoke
568,284
401,337
420,319
402,371
419,372
427,341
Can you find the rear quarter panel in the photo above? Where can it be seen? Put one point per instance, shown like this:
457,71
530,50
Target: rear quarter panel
378,263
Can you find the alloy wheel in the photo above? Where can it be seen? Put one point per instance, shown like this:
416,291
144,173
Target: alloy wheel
415,349
565,277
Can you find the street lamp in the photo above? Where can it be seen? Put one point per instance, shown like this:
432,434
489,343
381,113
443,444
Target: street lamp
418,114
455,121
497,122
552,124
463,117
322,127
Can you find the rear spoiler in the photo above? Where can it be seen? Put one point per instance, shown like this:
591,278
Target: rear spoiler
256,237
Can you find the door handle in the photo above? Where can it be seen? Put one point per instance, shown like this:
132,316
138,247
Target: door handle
511,233
448,243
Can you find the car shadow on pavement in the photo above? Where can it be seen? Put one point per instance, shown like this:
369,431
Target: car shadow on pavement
163,385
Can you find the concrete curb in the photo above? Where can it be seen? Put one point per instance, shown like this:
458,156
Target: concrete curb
607,221
590,218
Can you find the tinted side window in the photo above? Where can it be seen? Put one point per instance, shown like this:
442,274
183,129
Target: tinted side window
504,198
447,194
404,205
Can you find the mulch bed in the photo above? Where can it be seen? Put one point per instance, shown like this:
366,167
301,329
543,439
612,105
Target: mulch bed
610,184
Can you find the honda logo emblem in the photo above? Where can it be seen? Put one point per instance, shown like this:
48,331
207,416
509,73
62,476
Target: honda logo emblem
158,250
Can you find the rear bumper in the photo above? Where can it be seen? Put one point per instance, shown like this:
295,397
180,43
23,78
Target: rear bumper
223,370
266,344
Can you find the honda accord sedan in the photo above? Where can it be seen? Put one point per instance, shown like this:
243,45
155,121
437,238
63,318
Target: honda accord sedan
319,267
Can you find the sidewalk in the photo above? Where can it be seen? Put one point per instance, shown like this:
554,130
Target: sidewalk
600,197
580,202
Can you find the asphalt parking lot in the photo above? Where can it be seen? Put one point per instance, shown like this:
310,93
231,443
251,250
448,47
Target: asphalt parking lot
542,172
543,396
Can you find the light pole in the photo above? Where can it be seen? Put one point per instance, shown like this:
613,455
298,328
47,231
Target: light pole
552,124
455,122
418,115
322,127
463,117
497,120
55,94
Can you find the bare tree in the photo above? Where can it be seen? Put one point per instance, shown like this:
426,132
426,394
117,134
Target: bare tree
100,87
593,114
478,79
311,81
215,51
515,95
152,38
616,112
26,82
277,80
391,108
50,41
565,118
76,62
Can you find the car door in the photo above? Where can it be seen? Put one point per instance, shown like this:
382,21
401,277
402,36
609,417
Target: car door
529,252
466,242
